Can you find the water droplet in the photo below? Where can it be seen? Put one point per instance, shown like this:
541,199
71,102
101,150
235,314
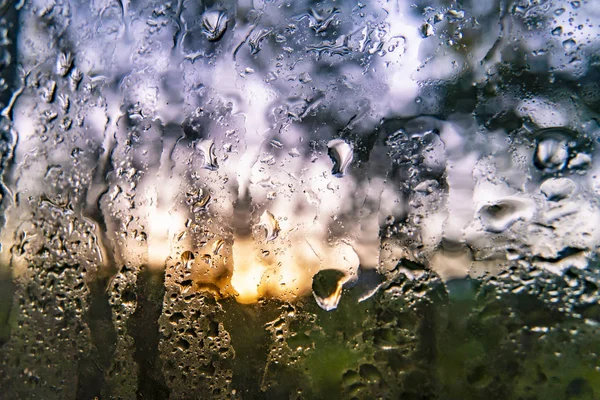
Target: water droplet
552,151
63,63
319,21
217,246
581,161
569,44
48,92
276,143
294,153
183,344
63,102
207,148
271,225
455,15
557,31
501,215
256,39
341,154
556,189
176,317
427,30
270,77
187,257
305,77
207,259
370,373
327,288
214,23
203,201
74,78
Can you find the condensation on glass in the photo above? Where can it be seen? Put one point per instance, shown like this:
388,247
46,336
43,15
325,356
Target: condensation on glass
299,199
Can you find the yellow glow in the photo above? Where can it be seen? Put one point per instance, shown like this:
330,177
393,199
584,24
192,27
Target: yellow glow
247,272
255,276
163,227
287,274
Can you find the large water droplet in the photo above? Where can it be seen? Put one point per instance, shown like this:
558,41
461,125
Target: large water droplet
320,20
426,30
501,215
75,78
556,189
207,148
214,23
63,63
569,44
341,154
269,222
327,288
202,203
580,161
187,257
552,151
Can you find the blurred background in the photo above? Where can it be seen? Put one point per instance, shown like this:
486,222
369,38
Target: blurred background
299,199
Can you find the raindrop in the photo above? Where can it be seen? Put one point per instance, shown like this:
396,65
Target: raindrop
63,63
48,92
319,21
218,246
256,38
183,344
580,162
569,44
552,151
579,388
63,102
271,225
206,258
207,148
427,30
556,189
341,154
370,373
74,78
276,143
294,153
305,77
214,23
203,202
327,288
455,15
187,257
176,317
500,216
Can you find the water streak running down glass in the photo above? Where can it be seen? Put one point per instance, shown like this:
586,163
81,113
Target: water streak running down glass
299,199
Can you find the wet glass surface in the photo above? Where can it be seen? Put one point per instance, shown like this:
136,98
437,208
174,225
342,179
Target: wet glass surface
299,199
